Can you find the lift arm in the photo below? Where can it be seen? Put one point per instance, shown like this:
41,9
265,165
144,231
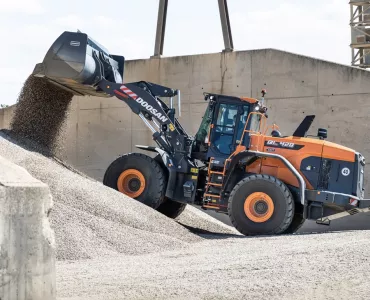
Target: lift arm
142,99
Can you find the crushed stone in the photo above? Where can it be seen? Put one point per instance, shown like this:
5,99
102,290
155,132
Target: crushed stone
41,110
290,267
91,220
199,222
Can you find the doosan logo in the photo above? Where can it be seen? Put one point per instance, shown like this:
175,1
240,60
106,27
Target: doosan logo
151,109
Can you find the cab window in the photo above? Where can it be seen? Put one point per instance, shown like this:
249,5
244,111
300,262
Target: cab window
225,128
255,122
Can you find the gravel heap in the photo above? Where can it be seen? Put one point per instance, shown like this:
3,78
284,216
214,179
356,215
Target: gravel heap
199,222
91,220
40,112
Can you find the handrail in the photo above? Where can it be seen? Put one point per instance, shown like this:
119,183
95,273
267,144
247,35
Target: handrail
302,183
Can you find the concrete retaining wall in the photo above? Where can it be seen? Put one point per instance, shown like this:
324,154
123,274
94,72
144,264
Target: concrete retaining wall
98,129
6,115
27,246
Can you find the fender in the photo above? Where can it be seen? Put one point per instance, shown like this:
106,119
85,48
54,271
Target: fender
248,153
167,162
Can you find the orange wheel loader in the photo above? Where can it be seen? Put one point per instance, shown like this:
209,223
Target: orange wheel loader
266,182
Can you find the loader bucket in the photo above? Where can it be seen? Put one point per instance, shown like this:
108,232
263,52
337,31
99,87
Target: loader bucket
77,63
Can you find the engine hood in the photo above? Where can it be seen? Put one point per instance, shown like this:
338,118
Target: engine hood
329,150
338,152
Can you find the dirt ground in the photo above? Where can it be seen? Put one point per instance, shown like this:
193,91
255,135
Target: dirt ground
303,266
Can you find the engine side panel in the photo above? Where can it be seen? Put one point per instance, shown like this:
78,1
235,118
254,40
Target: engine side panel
295,150
324,165
310,168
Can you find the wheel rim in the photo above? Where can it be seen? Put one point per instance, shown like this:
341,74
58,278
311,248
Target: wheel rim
131,182
258,207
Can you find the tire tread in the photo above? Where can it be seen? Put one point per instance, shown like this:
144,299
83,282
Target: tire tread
288,197
158,197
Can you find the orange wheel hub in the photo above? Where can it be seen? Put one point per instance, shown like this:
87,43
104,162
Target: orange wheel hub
258,207
131,182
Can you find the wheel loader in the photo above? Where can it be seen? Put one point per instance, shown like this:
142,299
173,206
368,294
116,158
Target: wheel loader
236,164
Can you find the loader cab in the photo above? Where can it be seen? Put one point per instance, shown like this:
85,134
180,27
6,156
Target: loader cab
223,124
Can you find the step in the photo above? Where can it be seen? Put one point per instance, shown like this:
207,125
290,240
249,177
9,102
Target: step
216,172
214,184
212,195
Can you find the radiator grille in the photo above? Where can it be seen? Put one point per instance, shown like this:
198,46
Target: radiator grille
324,177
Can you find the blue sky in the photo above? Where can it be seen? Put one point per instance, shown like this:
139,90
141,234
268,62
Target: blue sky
317,28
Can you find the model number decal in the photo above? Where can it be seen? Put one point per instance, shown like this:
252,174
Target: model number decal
282,144
285,145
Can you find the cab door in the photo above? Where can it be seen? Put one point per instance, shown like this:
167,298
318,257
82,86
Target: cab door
223,131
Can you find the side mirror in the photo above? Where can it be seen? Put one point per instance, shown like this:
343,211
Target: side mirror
276,133
322,133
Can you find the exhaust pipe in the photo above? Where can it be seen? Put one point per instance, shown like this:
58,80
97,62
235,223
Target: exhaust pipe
77,63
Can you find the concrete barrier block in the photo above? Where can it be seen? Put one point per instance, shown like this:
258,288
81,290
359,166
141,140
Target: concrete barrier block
6,115
27,245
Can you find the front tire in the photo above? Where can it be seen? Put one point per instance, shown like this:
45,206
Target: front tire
261,205
137,176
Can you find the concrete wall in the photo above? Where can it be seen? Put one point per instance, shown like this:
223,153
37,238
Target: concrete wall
98,130
27,246
101,129
6,115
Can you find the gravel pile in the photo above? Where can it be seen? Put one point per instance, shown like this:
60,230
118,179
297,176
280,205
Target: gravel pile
91,220
199,222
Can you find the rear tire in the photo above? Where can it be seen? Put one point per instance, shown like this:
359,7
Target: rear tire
261,205
171,209
143,178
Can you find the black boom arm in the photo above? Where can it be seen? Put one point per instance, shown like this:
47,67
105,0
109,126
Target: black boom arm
138,99
141,97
